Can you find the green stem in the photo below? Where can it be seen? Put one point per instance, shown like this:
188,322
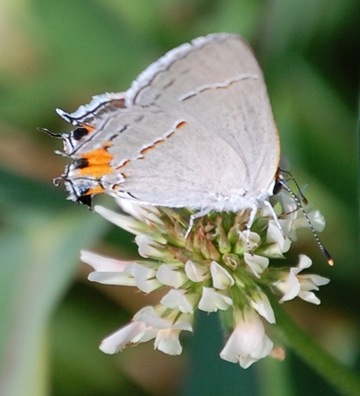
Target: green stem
341,377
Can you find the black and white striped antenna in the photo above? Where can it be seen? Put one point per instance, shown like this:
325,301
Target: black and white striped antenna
281,183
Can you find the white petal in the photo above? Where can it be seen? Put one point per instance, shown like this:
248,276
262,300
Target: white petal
196,272
148,324
220,277
145,277
311,281
167,341
304,262
148,247
256,263
276,237
247,241
127,223
290,287
130,207
140,212
133,333
309,297
170,276
274,234
259,352
287,225
108,271
263,307
152,317
317,220
248,342
178,299
288,204
301,285
112,278
183,321
212,300
103,263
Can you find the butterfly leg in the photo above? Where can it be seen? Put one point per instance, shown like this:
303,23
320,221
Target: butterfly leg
274,215
193,217
254,209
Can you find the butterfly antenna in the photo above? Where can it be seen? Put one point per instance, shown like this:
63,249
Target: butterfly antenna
290,177
297,200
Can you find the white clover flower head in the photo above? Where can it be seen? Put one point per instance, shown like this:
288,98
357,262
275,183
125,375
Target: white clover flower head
219,266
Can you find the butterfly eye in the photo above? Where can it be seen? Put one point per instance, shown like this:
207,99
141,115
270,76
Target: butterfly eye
277,186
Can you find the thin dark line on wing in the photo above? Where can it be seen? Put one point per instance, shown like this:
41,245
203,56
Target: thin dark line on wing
168,66
95,134
152,145
227,83
99,106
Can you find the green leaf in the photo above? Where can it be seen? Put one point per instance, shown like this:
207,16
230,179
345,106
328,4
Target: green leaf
39,257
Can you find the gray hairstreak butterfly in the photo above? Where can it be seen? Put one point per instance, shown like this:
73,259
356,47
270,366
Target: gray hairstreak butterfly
194,130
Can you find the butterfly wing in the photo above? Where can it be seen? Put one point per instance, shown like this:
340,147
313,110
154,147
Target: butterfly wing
195,129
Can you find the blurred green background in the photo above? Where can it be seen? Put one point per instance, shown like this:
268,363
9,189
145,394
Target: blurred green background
59,54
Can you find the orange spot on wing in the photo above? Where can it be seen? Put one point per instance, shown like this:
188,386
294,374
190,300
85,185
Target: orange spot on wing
98,163
89,128
180,124
95,190
124,164
144,150
158,142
